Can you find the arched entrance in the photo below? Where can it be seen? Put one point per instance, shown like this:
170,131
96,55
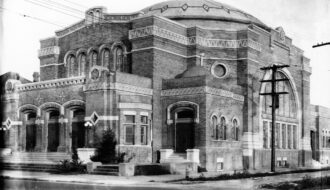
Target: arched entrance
78,129
31,132
53,130
184,129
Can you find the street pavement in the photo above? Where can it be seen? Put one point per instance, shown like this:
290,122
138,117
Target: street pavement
43,180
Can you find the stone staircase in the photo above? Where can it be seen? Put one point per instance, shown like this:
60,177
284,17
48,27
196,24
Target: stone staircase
35,157
33,161
176,158
111,169
179,163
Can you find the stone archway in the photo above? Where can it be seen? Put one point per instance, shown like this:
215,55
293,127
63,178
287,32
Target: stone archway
184,129
182,118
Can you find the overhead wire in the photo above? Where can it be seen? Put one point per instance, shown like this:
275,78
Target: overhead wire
50,4
82,6
31,17
42,5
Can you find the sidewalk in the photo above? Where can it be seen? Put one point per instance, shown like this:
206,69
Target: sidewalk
159,181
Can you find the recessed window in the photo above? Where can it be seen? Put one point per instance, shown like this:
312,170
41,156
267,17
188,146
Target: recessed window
235,130
218,70
223,129
129,125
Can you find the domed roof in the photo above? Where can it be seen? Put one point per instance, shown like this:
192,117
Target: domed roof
194,71
200,9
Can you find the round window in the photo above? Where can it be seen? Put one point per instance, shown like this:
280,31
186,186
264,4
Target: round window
219,70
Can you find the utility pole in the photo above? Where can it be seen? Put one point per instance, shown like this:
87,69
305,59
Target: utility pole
274,106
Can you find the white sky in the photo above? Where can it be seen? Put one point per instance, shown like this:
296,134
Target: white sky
307,22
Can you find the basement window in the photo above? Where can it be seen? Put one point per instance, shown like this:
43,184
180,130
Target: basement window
219,164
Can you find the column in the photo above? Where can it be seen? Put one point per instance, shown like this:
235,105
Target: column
45,132
69,115
62,144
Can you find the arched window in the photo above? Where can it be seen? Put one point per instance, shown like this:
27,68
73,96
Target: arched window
72,67
235,130
223,129
97,16
82,64
93,58
106,58
215,126
286,126
287,103
119,59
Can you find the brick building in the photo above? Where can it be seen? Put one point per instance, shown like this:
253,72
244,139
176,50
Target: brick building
179,77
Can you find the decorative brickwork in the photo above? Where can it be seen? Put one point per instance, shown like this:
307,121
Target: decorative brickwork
201,90
54,50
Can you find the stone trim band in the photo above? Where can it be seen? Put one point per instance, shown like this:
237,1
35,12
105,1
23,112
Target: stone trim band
194,40
51,83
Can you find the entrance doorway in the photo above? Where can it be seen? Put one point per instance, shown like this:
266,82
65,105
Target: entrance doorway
78,129
53,131
31,132
184,130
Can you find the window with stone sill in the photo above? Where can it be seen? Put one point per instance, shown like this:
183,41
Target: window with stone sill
129,127
143,130
285,135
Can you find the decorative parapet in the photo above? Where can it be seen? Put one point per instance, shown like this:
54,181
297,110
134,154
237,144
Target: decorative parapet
121,17
202,90
194,40
53,50
51,84
72,28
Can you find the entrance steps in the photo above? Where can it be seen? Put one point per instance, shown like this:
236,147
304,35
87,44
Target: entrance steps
109,169
35,157
180,163
176,158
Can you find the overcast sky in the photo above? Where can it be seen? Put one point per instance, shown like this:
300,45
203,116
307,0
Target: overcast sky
307,22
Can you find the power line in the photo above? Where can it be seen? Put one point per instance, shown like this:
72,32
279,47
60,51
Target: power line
31,17
41,5
61,6
50,4
82,6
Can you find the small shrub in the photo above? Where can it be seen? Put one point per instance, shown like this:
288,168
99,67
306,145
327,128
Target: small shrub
106,148
308,181
73,165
